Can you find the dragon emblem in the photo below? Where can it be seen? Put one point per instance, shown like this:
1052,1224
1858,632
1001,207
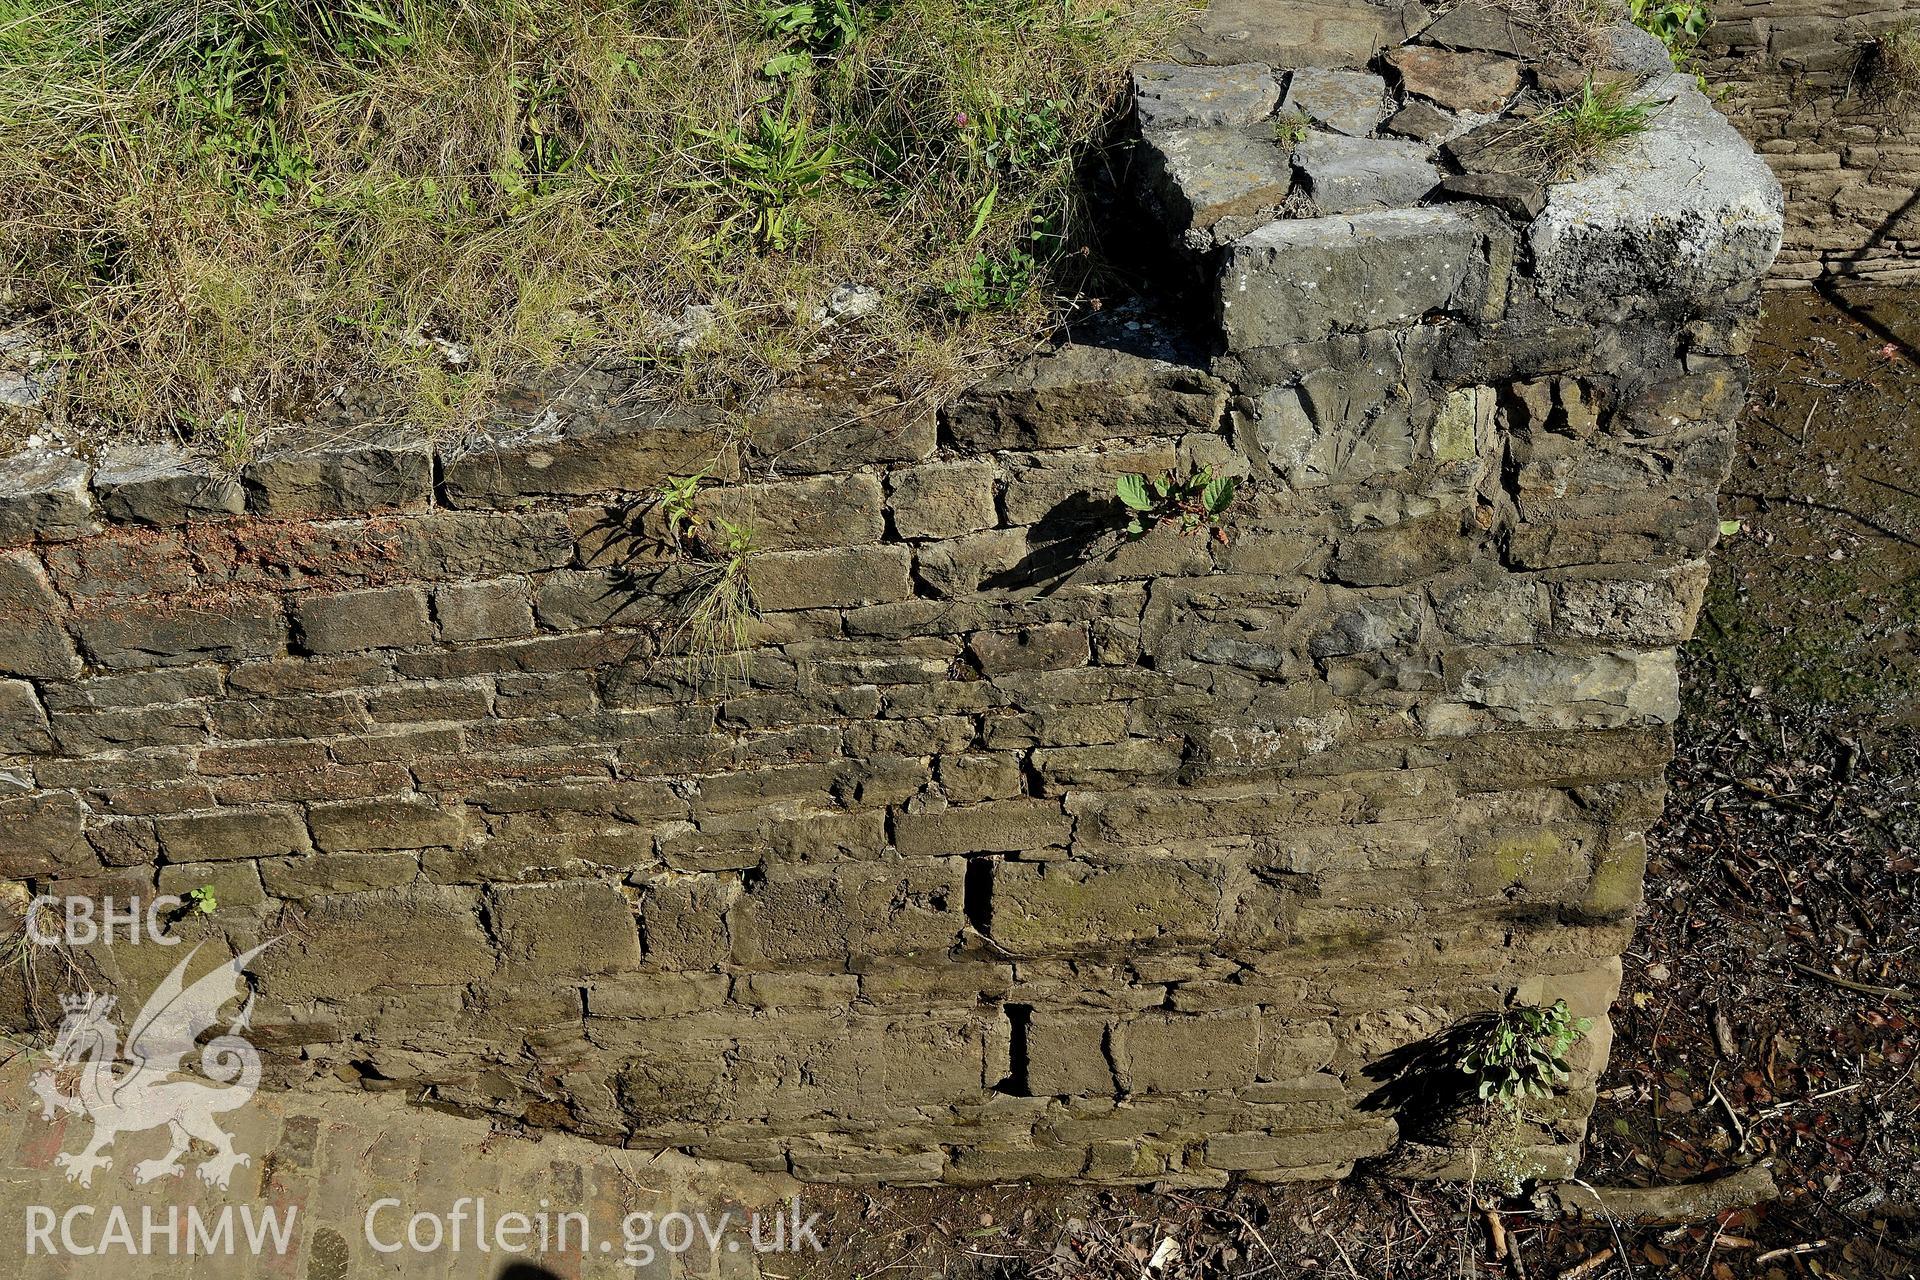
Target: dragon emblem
145,1087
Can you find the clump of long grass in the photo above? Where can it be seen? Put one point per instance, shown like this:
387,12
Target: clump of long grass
230,209
1580,132
1892,66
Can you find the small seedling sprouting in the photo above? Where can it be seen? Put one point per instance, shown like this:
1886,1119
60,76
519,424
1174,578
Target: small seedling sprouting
1195,502
677,500
1290,128
201,900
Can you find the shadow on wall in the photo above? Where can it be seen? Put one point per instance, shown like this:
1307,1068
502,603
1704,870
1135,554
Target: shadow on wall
1829,286
1424,1078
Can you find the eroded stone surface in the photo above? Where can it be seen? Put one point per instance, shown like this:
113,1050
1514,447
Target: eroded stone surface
1349,102
1305,280
1346,175
1687,200
1168,95
1200,177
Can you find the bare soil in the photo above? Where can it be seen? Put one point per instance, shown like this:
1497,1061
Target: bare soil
1773,990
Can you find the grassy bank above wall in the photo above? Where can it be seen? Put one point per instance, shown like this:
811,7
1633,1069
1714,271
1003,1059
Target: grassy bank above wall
225,211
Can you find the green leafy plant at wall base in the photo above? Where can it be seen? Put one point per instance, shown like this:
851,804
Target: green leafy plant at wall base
1195,502
1522,1053
201,900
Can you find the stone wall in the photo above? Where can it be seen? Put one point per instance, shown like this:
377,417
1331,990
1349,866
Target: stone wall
1799,81
1013,847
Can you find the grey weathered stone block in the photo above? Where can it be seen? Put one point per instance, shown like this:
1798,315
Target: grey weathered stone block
1169,94
406,822
1051,907
1685,212
322,474
1198,178
1302,281
1177,1053
423,936
1346,175
825,579
238,833
163,485
1349,102
943,499
493,610
1081,394
32,640
1308,33
555,456
801,515
566,929
44,496
170,633
384,618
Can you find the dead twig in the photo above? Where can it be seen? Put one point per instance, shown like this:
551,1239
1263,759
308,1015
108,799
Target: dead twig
1587,1266
1792,1251
1865,988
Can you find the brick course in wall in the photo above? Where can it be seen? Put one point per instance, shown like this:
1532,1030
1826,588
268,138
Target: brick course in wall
1011,848
1796,77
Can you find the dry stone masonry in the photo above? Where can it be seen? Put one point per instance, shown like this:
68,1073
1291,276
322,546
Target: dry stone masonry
1801,79
1013,848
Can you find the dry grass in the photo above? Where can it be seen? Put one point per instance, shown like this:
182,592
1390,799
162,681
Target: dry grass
1893,67
228,209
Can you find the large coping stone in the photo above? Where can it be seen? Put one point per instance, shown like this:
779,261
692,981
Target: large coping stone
1349,102
327,472
1681,213
565,457
1306,279
1165,93
1350,174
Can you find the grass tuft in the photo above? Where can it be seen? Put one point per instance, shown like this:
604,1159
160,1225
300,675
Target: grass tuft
229,210
1893,67
1579,132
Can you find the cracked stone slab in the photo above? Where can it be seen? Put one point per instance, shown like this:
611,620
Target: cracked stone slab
1684,211
1305,279
1169,95
1350,174
1199,176
1349,102
1473,82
